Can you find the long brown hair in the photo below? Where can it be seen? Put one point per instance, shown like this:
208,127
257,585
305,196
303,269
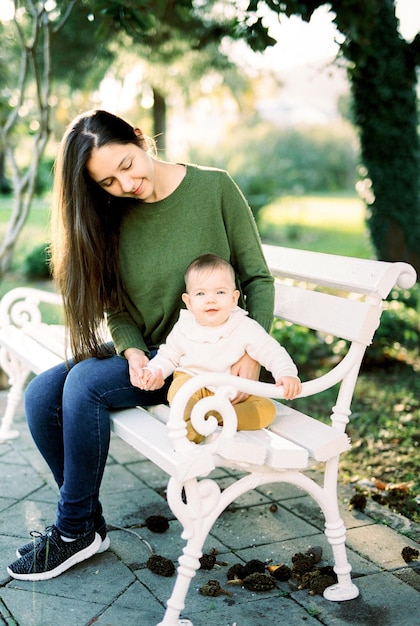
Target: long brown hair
85,232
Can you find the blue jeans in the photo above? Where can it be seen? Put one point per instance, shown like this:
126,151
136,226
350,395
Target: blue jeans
67,409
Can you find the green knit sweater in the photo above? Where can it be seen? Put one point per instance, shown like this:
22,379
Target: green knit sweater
206,213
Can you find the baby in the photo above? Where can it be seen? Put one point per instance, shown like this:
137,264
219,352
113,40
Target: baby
213,334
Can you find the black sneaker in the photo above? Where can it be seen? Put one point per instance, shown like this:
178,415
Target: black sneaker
37,537
52,556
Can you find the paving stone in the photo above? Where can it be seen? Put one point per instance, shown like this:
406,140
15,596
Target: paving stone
18,481
40,609
384,600
128,508
24,516
135,607
380,544
241,528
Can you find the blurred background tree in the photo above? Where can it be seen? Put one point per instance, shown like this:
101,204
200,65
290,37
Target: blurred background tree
27,111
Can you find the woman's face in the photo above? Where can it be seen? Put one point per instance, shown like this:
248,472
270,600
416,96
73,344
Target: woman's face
124,171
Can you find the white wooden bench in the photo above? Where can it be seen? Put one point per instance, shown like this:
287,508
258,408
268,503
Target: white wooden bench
340,296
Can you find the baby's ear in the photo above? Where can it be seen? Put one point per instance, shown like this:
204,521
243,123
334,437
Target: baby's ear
186,300
236,295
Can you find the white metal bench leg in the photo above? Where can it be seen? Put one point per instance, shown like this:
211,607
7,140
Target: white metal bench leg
196,516
17,375
344,589
335,532
335,529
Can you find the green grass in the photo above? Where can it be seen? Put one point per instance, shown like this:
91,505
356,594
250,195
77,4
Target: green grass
333,224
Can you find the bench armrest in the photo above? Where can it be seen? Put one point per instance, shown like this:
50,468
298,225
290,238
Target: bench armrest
228,386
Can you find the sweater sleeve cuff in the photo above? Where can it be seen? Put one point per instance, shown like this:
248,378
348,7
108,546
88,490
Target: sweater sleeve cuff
265,321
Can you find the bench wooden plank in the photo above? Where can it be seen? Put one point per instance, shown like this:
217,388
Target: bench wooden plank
341,317
320,440
366,276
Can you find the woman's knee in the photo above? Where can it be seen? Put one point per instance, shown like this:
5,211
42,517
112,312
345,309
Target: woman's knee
44,392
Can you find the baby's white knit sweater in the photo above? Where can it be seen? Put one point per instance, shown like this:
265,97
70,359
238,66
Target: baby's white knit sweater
196,349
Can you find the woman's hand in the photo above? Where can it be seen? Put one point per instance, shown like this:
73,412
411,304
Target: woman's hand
136,361
246,367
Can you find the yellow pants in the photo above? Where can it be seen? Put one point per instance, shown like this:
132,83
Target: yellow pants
254,413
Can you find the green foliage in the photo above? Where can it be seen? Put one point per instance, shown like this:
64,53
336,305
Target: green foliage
37,263
383,79
80,59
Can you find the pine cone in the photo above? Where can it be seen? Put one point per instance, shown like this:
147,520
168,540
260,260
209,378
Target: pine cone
302,563
358,502
319,583
236,572
409,554
253,566
157,523
160,565
280,572
207,561
259,582
213,588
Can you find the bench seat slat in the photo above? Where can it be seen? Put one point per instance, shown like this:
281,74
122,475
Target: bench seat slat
52,336
320,440
150,437
34,355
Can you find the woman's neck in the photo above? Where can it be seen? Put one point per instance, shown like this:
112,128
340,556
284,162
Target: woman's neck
168,177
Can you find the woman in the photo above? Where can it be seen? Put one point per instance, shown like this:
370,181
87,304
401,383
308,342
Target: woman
124,227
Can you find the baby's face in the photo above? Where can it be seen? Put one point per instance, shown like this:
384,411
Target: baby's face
211,296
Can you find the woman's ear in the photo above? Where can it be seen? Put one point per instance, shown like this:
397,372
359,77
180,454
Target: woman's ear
186,300
142,140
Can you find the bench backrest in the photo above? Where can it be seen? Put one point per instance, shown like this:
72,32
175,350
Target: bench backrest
334,294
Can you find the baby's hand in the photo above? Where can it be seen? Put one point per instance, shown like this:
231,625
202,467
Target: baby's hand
149,380
292,386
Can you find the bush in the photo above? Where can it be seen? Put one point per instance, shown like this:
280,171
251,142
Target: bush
37,263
